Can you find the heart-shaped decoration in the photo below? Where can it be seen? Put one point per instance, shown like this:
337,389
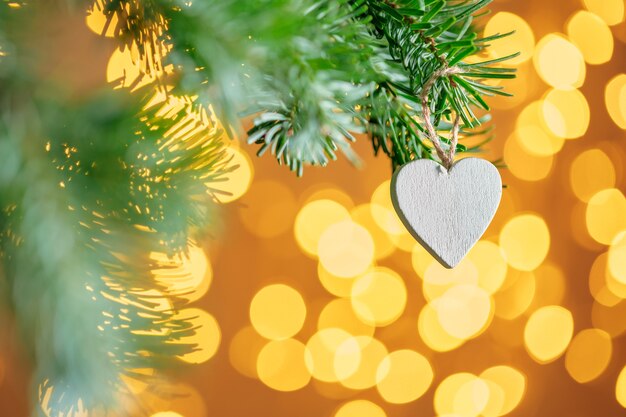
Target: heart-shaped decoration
447,211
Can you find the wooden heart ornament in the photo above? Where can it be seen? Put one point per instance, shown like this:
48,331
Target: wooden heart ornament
447,211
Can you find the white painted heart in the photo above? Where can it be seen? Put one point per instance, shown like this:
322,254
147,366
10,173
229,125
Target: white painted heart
447,211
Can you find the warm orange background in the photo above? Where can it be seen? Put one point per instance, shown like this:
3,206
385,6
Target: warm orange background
256,246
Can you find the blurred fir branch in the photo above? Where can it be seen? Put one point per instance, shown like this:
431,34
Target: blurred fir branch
90,187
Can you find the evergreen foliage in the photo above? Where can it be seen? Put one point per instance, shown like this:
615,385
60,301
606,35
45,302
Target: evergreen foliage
90,187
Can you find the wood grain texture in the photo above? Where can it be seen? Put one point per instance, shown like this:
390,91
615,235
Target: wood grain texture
447,211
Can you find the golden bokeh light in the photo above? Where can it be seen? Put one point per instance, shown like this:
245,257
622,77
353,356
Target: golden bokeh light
238,181
323,356
617,258
605,215
513,301
548,332
438,279
522,40
588,355
525,241
403,376
464,311
372,354
277,312
244,349
313,219
598,282
609,318
432,332
166,414
188,276
620,388
346,249
592,36
533,134
611,11
327,191
559,62
339,314
124,70
360,408
462,394
566,113
379,297
472,398
281,366
347,358
339,286
615,99
420,259
490,265
512,387
383,243
272,217
100,24
383,211
206,335
523,164
585,185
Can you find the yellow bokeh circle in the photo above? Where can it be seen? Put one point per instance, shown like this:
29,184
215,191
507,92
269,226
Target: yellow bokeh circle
206,335
438,279
360,408
566,113
615,99
268,217
433,334
346,249
522,40
588,355
512,384
339,313
585,185
277,312
491,267
592,36
620,388
239,180
281,366
513,301
548,332
525,241
464,311
383,211
403,376
379,297
533,134
372,354
323,356
244,349
617,258
462,394
313,219
605,215
525,165
559,62
611,11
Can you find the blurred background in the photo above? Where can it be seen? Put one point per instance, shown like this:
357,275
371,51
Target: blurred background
314,301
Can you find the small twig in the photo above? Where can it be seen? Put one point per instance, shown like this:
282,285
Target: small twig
447,159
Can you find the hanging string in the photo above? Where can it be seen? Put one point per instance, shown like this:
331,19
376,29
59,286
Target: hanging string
447,158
